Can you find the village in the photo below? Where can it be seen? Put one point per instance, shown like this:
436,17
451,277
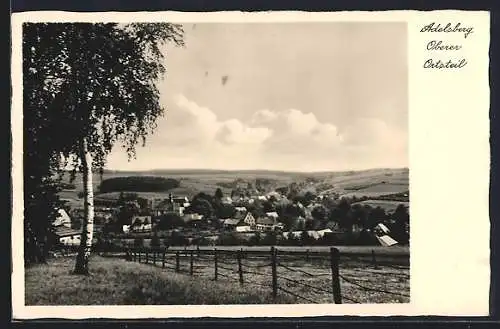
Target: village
269,218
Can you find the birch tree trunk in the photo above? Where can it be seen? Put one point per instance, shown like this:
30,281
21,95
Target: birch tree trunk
82,259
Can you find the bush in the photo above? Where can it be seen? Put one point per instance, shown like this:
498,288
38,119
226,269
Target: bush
139,242
155,242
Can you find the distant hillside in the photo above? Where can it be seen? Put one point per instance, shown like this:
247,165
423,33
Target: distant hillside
371,183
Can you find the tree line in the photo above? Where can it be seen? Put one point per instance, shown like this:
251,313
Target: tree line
138,184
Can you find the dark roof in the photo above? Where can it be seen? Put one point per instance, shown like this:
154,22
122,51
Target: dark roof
231,221
240,215
265,221
62,231
141,220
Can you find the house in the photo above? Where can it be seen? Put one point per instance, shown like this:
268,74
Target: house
172,204
314,234
192,217
231,223
62,219
381,229
265,224
141,224
386,240
249,219
279,226
272,214
227,200
241,209
68,236
274,194
243,228
323,232
294,234
382,234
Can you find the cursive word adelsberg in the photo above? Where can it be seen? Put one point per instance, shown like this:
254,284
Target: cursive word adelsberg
433,27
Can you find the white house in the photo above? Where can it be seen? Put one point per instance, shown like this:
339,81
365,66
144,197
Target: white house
126,228
192,217
231,223
386,240
272,214
264,224
62,219
241,209
141,224
323,232
243,228
68,236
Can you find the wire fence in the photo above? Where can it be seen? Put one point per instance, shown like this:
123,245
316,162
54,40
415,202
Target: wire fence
313,284
312,280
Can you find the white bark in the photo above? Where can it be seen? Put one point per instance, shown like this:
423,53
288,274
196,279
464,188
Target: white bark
82,259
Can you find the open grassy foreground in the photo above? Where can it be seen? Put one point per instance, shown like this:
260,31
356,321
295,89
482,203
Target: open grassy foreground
118,282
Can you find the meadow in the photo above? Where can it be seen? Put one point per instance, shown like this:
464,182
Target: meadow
188,278
114,281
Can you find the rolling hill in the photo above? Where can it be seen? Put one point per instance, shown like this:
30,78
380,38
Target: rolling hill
371,183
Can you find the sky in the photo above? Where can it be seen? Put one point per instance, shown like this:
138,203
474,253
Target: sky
281,96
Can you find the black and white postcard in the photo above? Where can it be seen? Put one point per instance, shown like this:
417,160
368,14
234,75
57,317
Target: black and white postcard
236,164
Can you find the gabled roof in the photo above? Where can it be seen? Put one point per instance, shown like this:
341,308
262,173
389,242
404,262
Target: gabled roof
66,231
231,221
62,218
386,241
240,215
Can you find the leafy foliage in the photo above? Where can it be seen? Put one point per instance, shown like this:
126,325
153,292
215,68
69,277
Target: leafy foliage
84,84
138,184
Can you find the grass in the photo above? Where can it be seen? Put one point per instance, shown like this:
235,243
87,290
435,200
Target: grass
118,282
389,284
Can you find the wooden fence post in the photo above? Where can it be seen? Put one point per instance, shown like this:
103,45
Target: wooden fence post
307,255
177,262
154,257
191,263
215,265
147,256
140,255
197,251
334,262
163,260
374,260
240,269
274,274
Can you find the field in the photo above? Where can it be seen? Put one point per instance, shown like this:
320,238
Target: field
114,281
369,183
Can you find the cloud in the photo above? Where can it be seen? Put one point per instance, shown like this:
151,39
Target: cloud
193,136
